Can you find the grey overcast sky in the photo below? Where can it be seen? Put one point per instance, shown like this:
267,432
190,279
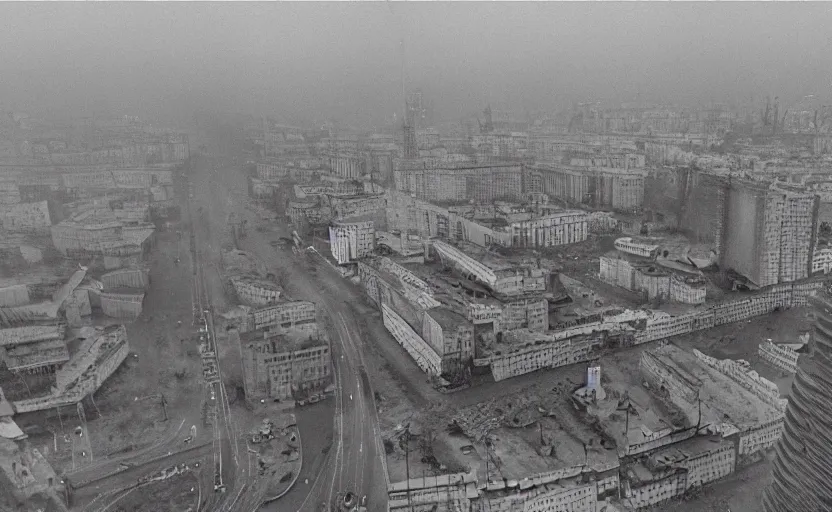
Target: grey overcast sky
313,61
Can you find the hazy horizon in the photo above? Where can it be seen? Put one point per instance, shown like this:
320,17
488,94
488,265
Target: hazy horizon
308,62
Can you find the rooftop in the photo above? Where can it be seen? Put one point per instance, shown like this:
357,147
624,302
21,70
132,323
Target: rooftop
680,451
258,281
278,343
37,470
93,349
723,399
517,423
449,288
5,406
447,318
31,334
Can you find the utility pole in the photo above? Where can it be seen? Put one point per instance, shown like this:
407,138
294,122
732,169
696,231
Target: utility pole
164,403
406,439
586,455
627,427
265,139
92,400
699,403
404,96
487,457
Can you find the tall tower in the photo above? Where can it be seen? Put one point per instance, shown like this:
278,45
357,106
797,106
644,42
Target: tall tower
410,146
408,128
265,138
803,459
489,121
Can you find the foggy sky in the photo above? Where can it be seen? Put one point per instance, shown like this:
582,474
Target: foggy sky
314,61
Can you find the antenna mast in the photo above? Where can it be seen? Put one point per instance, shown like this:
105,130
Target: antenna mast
404,95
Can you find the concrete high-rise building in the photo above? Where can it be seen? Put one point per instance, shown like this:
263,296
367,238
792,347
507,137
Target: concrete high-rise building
768,233
804,454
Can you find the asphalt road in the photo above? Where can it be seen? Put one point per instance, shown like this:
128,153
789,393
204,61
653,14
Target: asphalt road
229,453
353,462
102,493
106,467
102,479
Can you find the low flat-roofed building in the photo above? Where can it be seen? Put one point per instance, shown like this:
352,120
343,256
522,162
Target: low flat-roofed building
101,236
26,477
657,281
284,315
500,276
639,246
490,314
93,362
34,348
704,458
690,383
256,291
670,472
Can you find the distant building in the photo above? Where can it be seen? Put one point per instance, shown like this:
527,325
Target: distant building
614,189
480,183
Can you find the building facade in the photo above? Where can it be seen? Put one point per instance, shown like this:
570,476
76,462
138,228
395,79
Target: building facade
561,228
278,368
350,241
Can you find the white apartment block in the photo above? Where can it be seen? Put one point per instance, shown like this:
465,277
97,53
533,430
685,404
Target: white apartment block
657,282
561,228
780,356
256,291
285,315
581,498
822,260
760,438
637,247
350,241
422,353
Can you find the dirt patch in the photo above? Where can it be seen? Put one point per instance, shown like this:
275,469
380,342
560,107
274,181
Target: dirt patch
177,493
